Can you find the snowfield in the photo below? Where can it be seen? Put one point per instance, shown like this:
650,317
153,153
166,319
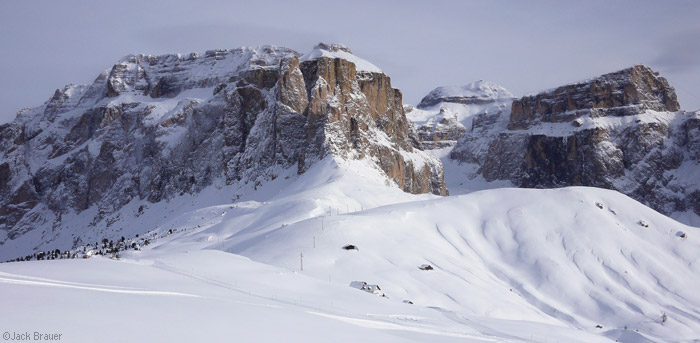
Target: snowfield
508,265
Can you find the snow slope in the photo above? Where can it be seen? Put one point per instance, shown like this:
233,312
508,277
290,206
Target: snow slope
510,265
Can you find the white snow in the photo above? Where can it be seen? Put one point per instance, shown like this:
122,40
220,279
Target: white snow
361,65
480,89
495,99
510,265
610,123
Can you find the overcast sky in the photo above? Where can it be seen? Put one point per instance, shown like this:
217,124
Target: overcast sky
525,46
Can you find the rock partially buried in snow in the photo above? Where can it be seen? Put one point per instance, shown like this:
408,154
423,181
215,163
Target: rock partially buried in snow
351,247
426,267
364,286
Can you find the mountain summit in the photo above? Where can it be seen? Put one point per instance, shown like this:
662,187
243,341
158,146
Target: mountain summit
478,93
623,131
154,127
447,113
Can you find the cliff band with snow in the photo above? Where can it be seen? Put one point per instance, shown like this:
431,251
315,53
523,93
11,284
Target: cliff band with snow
622,131
155,127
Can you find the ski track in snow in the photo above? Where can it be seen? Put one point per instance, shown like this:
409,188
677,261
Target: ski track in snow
23,281
376,324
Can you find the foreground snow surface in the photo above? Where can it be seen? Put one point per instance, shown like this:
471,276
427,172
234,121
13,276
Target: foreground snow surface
509,265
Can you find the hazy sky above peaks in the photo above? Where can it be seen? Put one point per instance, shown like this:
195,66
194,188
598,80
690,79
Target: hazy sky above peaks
524,46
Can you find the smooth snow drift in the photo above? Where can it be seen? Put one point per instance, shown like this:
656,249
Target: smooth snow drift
509,265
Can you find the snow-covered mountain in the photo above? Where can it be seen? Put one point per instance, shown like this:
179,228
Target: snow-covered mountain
152,128
447,113
622,131
259,194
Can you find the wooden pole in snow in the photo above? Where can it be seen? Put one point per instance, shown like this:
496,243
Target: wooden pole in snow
301,260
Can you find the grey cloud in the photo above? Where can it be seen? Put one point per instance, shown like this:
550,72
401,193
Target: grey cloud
680,51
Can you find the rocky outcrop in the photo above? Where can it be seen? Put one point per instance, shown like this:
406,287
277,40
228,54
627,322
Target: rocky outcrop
626,92
442,130
155,127
621,131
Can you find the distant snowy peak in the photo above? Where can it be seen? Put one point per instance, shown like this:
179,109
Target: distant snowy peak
343,52
446,113
479,92
480,89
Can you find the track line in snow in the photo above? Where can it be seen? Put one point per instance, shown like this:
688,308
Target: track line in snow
34,278
217,283
375,324
92,288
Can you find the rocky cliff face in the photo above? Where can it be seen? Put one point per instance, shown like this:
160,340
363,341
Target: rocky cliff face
622,131
155,127
626,92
